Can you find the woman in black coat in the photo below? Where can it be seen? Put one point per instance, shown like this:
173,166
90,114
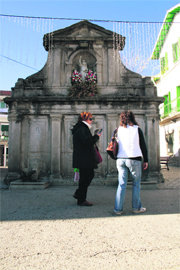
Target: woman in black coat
83,155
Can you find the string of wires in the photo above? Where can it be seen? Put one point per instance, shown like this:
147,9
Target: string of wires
75,19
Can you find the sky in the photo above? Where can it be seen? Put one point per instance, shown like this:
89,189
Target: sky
21,47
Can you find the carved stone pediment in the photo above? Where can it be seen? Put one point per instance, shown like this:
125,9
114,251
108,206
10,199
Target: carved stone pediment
83,30
86,33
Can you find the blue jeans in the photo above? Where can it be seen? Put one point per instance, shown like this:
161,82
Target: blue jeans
135,169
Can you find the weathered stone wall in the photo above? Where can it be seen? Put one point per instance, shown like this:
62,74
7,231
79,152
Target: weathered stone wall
41,113
44,141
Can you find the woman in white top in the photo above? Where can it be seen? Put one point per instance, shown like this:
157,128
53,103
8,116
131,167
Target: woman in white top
132,150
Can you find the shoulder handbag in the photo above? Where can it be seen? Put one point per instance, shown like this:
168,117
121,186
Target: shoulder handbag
98,157
113,146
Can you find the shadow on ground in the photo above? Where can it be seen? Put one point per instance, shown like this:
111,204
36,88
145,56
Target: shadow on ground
57,203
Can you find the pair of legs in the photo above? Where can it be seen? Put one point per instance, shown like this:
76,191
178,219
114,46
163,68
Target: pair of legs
86,176
135,168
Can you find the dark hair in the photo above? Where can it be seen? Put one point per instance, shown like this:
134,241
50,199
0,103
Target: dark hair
127,118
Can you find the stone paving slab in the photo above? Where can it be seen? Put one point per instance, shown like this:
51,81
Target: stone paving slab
45,229
58,203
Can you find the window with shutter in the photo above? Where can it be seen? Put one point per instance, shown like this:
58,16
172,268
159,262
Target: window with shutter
167,104
178,98
164,63
175,48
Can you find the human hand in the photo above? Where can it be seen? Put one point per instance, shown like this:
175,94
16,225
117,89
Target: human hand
99,132
145,166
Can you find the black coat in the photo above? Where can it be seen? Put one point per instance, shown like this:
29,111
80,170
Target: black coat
83,146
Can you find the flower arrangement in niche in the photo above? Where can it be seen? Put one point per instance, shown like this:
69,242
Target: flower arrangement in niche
83,88
76,77
91,77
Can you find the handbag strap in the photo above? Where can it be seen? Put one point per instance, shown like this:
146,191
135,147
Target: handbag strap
115,134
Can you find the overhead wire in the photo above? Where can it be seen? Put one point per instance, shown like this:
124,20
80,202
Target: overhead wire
79,19
17,62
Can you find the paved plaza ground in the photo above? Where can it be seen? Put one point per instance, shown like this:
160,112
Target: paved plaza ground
45,229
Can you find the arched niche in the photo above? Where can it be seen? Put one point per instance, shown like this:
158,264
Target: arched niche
84,56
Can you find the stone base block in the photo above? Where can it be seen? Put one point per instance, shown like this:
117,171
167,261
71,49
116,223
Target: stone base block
18,184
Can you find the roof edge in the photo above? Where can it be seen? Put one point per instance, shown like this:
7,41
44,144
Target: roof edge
170,14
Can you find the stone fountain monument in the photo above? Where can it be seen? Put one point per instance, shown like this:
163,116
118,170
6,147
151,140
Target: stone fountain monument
42,113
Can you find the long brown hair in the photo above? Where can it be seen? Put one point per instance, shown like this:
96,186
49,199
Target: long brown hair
127,118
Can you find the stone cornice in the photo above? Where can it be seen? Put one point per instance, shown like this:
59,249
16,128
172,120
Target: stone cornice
97,99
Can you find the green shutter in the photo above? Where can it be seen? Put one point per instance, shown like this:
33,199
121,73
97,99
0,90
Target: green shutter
162,65
169,102
178,98
175,52
165,105
166,61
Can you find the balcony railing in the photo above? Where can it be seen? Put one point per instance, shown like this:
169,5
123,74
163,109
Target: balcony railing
170,108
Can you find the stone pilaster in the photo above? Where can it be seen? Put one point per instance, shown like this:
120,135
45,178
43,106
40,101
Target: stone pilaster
55,145
153,174
105,66
153,142
38,154
111,67
25,131
99,67
66,145
14,155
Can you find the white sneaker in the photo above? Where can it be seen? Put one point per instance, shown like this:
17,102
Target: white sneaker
117,213
141,210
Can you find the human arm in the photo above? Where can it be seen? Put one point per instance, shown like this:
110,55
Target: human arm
85,137
143,148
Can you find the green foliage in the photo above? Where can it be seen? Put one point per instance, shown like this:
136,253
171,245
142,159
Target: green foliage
83,89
